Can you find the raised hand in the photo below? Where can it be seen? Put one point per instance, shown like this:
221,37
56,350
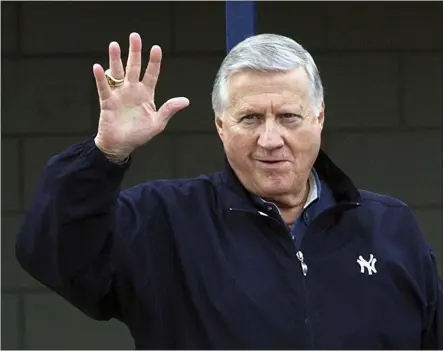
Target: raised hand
128,116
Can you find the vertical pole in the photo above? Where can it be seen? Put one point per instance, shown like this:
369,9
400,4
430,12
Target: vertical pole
240,22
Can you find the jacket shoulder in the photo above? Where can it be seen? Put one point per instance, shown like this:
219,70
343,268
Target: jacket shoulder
171,190
395,217
374,199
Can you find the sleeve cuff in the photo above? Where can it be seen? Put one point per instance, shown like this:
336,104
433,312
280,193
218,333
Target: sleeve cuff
95,155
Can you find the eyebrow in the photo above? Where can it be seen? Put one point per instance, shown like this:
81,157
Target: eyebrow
295,109
246,111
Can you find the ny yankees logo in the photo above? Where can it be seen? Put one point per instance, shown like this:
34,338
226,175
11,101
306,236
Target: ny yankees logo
369,265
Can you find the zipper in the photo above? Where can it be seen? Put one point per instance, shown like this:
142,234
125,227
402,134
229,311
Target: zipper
304,269
304,266
300,256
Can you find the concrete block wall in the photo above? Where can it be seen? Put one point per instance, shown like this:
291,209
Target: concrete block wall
382,66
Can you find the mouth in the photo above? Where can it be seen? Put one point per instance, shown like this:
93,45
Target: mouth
271,163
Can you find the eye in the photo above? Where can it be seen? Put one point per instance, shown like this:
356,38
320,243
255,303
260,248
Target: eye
289,117
250,118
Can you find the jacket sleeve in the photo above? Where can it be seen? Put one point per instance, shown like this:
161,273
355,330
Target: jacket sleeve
68,233
423,269
433,339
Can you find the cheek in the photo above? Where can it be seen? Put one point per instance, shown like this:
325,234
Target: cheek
239,143
304,146
305,139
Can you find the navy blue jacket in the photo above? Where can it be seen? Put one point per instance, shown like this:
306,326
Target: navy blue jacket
199,264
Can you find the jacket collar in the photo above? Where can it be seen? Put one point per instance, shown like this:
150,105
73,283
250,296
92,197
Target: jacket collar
343,189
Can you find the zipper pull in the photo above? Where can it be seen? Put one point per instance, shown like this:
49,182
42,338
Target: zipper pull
304,266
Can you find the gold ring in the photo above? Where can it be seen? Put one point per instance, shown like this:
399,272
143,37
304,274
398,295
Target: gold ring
113,82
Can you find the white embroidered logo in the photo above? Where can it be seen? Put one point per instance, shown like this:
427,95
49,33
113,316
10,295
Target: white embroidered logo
369,265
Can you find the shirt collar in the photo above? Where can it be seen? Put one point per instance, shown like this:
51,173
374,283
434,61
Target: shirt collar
314,188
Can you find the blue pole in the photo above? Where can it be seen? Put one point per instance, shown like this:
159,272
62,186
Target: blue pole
240,22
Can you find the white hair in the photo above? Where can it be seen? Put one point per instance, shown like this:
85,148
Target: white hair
266,53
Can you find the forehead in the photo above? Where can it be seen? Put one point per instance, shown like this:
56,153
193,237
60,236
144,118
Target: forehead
251,87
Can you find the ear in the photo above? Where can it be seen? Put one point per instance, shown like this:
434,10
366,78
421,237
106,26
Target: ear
219,126
321,115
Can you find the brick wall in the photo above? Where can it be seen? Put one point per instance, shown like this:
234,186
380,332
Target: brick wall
382,66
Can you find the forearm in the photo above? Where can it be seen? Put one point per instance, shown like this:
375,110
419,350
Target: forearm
66,235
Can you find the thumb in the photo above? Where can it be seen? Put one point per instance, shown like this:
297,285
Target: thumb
171,107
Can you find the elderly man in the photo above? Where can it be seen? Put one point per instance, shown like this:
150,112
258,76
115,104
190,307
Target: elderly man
280,250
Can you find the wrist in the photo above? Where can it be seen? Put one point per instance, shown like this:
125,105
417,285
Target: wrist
118,157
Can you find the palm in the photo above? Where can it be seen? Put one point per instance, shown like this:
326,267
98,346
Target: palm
128,116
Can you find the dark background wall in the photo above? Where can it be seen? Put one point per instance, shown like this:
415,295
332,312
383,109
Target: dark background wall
382,66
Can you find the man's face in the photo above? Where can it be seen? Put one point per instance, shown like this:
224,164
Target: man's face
270,135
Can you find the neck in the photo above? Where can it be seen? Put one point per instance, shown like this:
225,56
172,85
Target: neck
291,205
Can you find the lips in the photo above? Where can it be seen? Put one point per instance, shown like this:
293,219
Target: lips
273,164
271,161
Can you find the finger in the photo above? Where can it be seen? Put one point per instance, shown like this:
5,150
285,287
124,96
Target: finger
134,59
171,107
115,61
103,88
153,70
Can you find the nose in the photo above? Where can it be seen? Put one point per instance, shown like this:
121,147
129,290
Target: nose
270,136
